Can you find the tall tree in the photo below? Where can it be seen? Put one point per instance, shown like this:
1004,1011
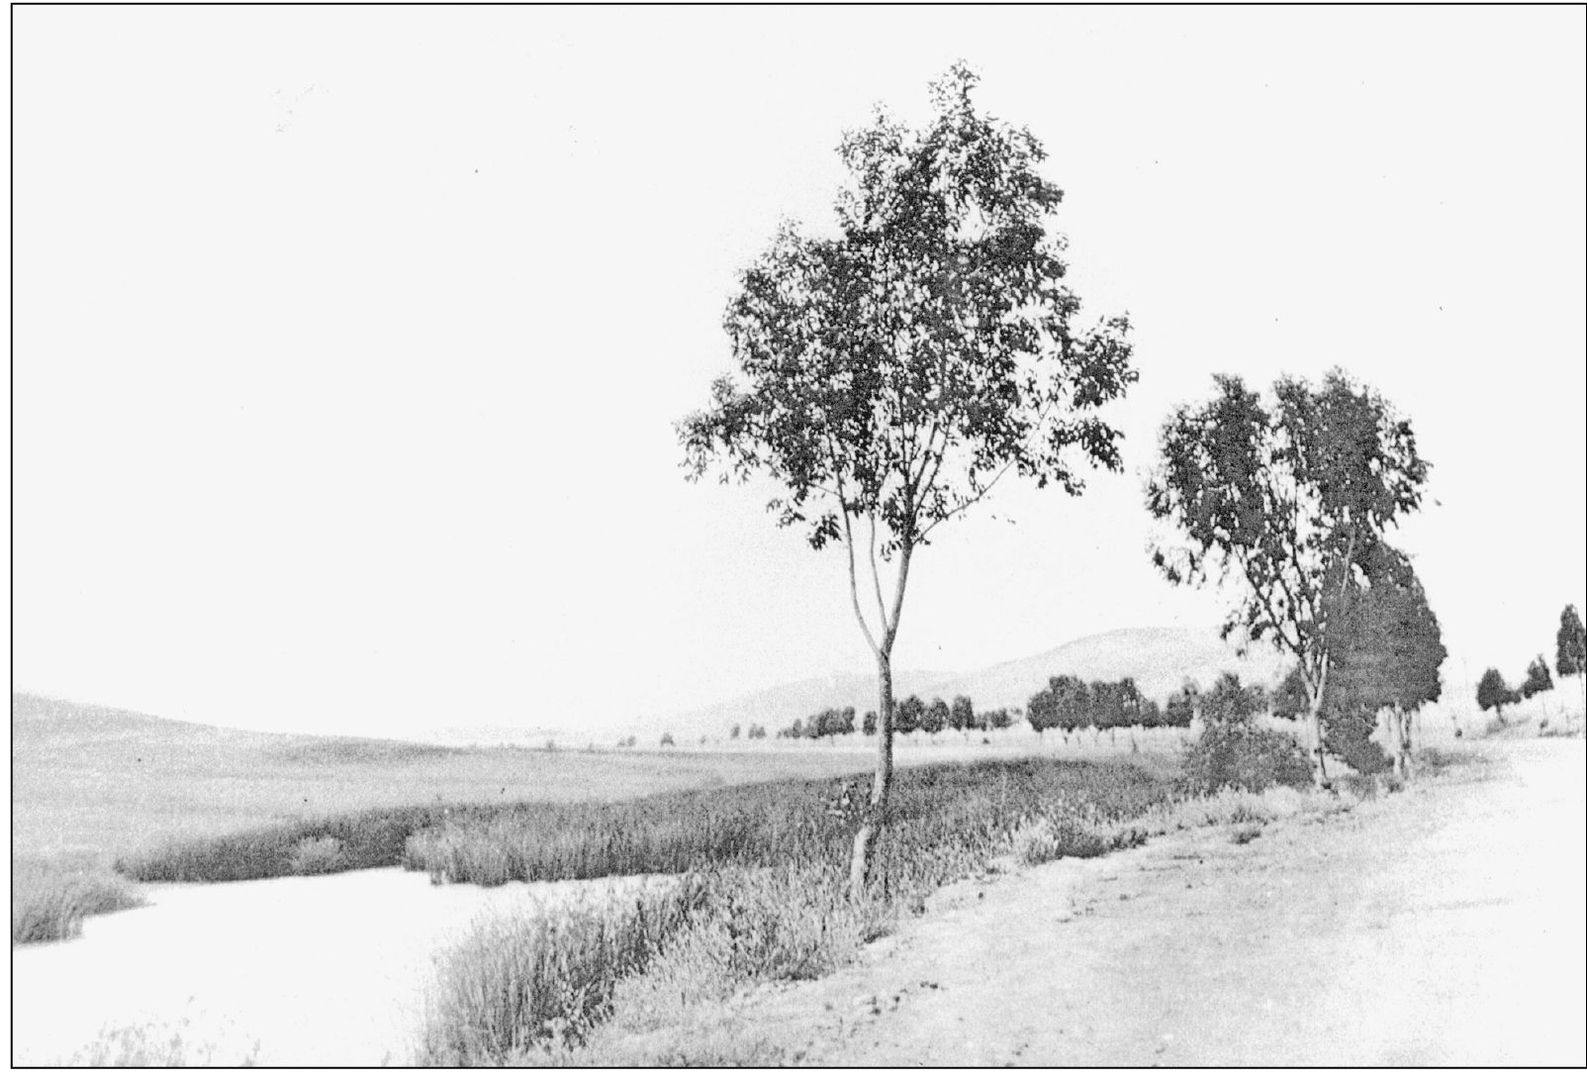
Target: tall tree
892,375
1570,641
1281,500
1387,654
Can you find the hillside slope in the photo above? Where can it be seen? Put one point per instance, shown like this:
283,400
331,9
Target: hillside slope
1159,659
777,707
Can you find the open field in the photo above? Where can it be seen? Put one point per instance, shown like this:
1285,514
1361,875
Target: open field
95,783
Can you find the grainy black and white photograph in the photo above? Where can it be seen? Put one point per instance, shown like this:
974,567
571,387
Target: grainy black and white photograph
658,536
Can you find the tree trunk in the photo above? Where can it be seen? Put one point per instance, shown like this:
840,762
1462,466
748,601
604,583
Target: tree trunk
1402,756
881,786
1319,765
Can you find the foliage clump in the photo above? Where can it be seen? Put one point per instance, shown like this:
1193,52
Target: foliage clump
1234,751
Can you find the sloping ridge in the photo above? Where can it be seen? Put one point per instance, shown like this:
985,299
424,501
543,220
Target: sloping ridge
1159,659
777,707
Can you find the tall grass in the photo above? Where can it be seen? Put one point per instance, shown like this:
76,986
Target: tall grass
359,840
781,822
770,901
522,981
49,902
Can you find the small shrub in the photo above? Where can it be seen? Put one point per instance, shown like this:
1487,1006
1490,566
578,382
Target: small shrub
1245,756
49,903
1043,841
1245,833
317,856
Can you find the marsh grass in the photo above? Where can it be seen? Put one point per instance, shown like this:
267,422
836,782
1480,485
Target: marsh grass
318,856
49,901
939,814
361,840
771,901
523,981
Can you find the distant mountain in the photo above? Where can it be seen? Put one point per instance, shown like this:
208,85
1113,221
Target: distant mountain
1159,659
777,707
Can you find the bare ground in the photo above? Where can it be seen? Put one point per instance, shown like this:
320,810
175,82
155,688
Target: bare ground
1439,926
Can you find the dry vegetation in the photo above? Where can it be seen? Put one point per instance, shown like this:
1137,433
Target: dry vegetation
49,901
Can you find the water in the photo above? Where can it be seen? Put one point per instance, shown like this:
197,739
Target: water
328,971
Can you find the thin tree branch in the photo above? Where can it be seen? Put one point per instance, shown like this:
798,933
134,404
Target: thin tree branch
854,589
876,578
966,504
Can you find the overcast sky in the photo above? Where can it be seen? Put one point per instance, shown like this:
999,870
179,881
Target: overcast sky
349,342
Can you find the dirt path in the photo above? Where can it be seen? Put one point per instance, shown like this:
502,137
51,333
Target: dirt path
1441,926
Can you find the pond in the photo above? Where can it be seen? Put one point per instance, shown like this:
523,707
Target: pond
331,970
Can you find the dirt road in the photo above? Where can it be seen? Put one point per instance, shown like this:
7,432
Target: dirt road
1440,926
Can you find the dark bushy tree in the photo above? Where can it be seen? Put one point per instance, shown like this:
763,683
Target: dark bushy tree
998,719
1570,644
1065,704
890,376
868,725
911,711
935,718
1233,751
1180,709
1151,714
961,714
1537,678
1282,500
666,739
1387,653
1493,693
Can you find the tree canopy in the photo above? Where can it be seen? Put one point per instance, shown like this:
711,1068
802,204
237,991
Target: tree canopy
1493,693
1570,644
1287,500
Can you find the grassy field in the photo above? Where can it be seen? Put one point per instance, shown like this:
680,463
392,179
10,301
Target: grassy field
92,783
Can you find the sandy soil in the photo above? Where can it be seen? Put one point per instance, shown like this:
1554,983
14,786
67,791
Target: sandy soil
323,971
1441,926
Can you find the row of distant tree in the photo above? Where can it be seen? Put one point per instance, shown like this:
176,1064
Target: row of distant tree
1570,659
1069,703
912,714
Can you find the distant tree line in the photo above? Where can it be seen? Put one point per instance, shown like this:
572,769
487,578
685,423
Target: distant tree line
1069,703
911,715
1570,659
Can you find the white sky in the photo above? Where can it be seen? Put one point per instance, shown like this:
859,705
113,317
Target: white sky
348,342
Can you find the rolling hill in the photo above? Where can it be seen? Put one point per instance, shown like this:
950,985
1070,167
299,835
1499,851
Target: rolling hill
776,707
1159,659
